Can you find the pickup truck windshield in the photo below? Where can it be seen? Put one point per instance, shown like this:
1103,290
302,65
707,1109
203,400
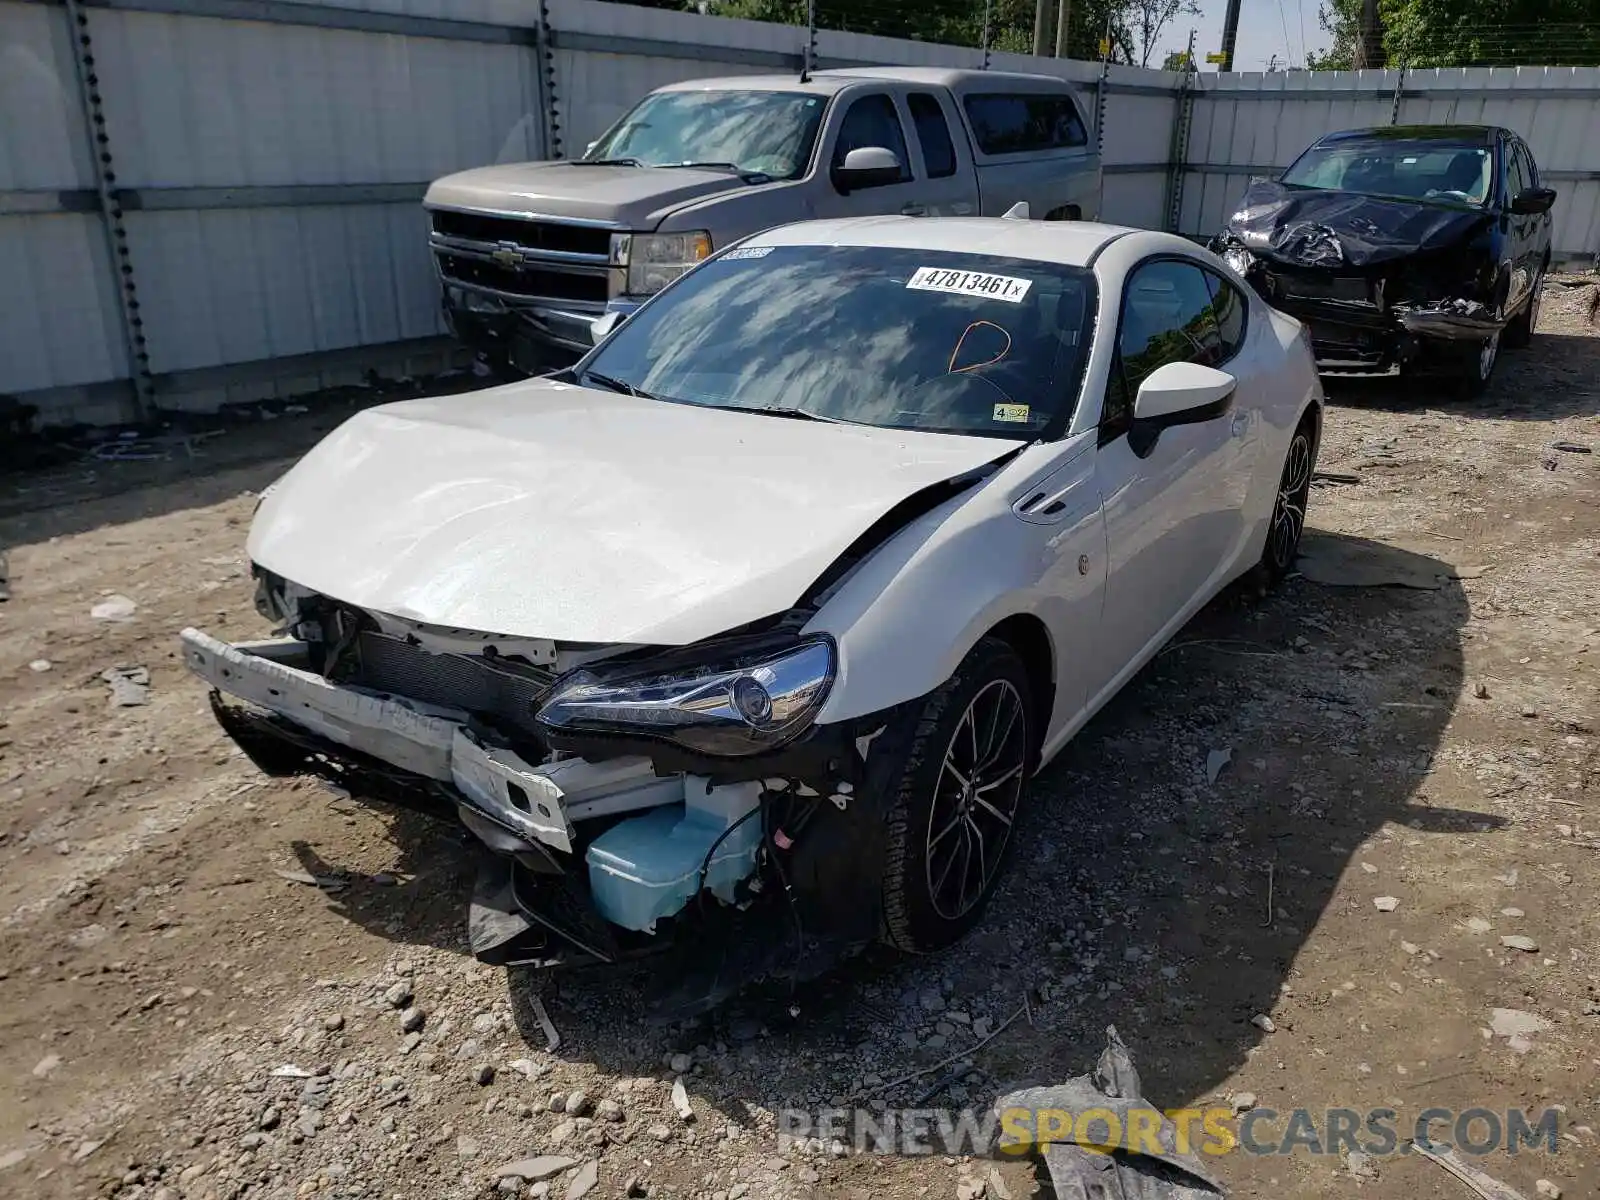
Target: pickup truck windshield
902,339
766,133
1449,171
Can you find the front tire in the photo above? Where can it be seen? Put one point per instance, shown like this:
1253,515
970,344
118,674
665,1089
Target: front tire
955,797
1474,366
1519,333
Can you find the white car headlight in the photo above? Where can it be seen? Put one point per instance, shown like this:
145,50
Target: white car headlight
656,259
734,709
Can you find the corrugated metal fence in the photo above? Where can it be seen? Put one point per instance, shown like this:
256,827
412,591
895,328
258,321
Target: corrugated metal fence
214,200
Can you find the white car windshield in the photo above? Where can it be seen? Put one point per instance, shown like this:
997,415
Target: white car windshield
765,133
904,339
1446,171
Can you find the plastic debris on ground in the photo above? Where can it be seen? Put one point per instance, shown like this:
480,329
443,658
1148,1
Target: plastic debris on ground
130,686
114,608
1082,1172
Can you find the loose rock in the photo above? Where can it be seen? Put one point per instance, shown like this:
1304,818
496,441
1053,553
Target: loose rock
532,1170
399,996
1385,903
680,1100
1517,942
584,1180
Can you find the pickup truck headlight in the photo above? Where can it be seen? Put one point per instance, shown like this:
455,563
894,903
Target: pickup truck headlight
656,259
726,710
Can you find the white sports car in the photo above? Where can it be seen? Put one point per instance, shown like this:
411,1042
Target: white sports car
742,638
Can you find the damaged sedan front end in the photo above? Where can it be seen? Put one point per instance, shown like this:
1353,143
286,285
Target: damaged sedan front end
609,794
1400,249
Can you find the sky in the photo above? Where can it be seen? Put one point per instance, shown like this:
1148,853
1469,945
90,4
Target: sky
1262,25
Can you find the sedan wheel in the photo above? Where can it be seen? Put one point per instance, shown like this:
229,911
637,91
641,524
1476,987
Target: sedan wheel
975,800
960,790
1475,366
1520,332
1289,510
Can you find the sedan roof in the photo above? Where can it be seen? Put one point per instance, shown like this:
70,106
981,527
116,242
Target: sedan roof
1421,133
1070,243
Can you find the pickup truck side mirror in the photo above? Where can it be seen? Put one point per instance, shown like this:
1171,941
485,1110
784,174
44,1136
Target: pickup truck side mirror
867,167
600,328
1533,200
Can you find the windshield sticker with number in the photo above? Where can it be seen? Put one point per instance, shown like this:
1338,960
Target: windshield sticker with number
970,283
739,253
1012,413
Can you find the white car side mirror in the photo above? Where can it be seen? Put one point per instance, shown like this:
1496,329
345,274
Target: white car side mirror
1183,392
600,328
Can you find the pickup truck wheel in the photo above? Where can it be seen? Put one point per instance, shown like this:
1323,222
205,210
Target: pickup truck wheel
954,799
1520,332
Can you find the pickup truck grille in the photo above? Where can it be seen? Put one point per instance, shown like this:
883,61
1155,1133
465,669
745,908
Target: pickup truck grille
531,235
543,281
523,259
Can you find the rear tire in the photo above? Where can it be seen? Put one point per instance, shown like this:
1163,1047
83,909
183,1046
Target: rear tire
954,798
1288,521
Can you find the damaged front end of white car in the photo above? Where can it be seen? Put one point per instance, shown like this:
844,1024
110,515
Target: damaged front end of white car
628,794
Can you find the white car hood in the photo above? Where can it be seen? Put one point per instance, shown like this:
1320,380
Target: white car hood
545,510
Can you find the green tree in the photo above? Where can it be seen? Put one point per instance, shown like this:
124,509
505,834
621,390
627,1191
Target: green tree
1468,33
1136,26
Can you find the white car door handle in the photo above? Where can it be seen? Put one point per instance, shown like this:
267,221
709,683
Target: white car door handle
1241,424
913,210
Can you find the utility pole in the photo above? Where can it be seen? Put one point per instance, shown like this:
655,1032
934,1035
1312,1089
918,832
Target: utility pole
1044,34
1063,27
1230,35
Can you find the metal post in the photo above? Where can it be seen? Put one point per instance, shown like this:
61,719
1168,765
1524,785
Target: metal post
987,5
1063,27
1399,89
1230,35
544,84
1179,153
116,233
809,55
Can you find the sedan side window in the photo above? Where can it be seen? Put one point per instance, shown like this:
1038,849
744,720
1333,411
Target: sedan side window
1167,316
1517,180
872,121
1228,309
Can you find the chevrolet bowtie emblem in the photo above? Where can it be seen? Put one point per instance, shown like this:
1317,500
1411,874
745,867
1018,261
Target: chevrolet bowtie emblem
508,256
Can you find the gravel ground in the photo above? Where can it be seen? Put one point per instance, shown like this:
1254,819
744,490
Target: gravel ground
185,1015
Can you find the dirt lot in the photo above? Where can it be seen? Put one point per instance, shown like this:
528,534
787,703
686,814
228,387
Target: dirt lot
1436,745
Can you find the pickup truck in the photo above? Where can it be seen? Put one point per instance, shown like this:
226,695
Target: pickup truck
530,255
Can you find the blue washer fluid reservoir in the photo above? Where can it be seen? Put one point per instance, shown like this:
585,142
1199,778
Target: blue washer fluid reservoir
647,867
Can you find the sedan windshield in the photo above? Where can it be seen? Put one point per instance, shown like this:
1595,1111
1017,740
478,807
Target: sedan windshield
766,133
903,339
1448,171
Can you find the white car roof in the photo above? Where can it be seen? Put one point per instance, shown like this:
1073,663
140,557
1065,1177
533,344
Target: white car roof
1070,243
